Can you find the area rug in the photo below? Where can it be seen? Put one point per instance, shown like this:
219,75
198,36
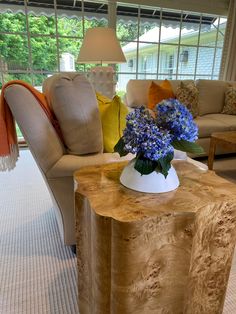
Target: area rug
37,272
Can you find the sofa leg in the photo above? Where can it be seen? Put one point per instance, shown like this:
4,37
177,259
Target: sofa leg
73,248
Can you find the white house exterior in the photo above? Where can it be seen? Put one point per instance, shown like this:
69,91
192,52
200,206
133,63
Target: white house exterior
195,57
67,62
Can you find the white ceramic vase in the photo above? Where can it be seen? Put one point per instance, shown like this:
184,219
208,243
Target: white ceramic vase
154,182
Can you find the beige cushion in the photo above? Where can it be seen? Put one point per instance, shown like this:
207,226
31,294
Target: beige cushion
74,102
207,126
68,164
228,120
137,91
211,96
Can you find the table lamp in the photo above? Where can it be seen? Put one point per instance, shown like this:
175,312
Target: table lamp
100,45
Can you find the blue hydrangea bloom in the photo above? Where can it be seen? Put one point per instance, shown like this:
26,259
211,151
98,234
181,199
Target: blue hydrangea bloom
143,136
175,117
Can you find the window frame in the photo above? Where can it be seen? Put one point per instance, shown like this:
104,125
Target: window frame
158,73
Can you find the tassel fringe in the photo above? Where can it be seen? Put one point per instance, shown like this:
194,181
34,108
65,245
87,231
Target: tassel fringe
9,162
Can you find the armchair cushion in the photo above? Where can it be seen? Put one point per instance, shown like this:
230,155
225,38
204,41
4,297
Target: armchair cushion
74,102
68,164
113,115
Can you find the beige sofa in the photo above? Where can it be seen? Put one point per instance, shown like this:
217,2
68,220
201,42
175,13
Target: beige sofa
56,162
211,102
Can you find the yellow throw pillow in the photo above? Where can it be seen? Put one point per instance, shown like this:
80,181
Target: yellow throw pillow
113,116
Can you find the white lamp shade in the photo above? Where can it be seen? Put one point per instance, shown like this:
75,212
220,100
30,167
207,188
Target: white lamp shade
100,45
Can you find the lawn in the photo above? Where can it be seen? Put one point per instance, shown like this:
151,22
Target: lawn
18,132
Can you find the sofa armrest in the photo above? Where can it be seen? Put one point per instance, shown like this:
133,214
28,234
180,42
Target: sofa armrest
35,126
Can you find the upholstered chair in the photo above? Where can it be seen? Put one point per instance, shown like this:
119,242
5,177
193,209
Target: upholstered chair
73,100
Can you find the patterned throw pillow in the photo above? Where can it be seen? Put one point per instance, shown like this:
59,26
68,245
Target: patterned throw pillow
230,101
187,94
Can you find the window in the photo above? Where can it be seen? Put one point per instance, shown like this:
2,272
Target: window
169,43
39,38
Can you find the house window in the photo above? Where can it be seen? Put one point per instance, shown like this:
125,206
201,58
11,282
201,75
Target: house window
171,62
146,63
170,66
181,45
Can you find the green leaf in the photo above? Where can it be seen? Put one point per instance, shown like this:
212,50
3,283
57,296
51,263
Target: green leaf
144,165
119,147
164,164
187,147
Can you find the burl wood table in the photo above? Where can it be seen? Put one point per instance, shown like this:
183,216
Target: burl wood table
153,253
223,139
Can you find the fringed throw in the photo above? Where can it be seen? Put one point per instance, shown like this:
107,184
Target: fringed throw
9,151
8,162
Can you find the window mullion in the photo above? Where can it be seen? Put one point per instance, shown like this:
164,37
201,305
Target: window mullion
159,44
83,28
57,38
180,31
29,42
112,14
137,51
214,58
198,42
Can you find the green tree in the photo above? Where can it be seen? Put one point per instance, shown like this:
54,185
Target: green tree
14,50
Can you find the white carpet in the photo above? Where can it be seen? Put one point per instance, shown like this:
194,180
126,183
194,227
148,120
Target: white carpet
37,272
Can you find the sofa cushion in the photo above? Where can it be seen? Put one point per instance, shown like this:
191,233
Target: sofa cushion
74,102
207,125
211,96
157,93
113,115
228,120
187,94
230,101
137,91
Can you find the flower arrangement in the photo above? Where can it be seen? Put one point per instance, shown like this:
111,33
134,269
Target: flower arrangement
153,136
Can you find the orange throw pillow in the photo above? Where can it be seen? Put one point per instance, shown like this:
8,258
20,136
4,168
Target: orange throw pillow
157,93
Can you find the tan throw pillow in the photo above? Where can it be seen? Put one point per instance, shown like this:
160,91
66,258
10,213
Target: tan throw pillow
74,103
230,101
187,94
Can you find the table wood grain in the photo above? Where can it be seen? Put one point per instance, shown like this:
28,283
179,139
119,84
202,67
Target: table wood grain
153,253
